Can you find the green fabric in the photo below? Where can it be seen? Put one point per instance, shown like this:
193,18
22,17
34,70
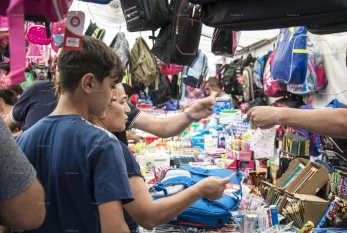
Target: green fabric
30,79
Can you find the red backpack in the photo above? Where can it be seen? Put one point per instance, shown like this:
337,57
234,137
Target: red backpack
271,87
34,10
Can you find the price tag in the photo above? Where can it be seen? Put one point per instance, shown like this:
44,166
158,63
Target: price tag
73,39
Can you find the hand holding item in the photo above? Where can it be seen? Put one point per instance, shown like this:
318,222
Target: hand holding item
202,108
264,117
213,187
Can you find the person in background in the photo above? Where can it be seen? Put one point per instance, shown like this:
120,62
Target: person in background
324,122
21,195
130,135
8,99
144,210
17,89
213,84
81,166
36,102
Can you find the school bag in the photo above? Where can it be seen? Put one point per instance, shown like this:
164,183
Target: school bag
224,42
194,74
195,92
236,14
203,213
271,88
258,70
247,84
230,82
58,32
144,15
178,42
36,34
170,69
95,31
121,46
291,59
160,91
315,78
43,11
143,65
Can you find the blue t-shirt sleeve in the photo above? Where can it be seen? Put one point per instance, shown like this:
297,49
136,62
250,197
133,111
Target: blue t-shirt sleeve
132,166
110,174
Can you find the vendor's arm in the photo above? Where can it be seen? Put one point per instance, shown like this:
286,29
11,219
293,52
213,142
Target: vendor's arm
175,125
325,122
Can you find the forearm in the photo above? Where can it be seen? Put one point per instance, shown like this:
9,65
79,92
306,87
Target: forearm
166,209
172,126
324,122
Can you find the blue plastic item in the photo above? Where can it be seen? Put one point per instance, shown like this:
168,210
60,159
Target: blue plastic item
213,213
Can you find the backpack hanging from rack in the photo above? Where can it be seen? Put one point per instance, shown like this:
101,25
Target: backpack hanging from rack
178,42
145,15
160,91
121,46
224,42
236,14
143,65
95,31
291,59
194,74
32,10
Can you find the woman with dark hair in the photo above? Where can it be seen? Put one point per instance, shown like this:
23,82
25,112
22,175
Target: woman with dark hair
8,98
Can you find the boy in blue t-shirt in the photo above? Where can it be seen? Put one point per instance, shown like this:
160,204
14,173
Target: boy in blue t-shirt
79,164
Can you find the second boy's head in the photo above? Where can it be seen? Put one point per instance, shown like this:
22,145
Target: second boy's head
88,76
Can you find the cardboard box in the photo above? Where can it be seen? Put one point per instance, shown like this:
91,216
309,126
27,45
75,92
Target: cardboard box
315,207
318,180
292,166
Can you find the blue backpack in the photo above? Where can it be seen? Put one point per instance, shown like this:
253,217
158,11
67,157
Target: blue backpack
203,213
258,70
193,75
291,59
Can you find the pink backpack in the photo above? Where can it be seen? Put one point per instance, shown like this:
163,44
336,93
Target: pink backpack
44,10
271,87
37,35
58,32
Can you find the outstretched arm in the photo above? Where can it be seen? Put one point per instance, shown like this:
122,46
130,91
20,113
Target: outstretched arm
175,125
325,122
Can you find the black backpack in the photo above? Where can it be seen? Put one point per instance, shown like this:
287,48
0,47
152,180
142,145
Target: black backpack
266,14
230,78
224,42
178,43
160,91
145,15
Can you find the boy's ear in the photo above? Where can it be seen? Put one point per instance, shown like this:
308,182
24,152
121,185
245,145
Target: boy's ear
87,83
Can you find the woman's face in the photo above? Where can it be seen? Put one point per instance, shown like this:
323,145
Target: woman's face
117,113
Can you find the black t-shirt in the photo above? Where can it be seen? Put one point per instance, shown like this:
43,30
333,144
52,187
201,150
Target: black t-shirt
133,169
133,115
37,102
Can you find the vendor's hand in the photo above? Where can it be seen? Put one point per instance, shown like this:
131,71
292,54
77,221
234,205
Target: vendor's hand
201,109
135,137
264,117
213,187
